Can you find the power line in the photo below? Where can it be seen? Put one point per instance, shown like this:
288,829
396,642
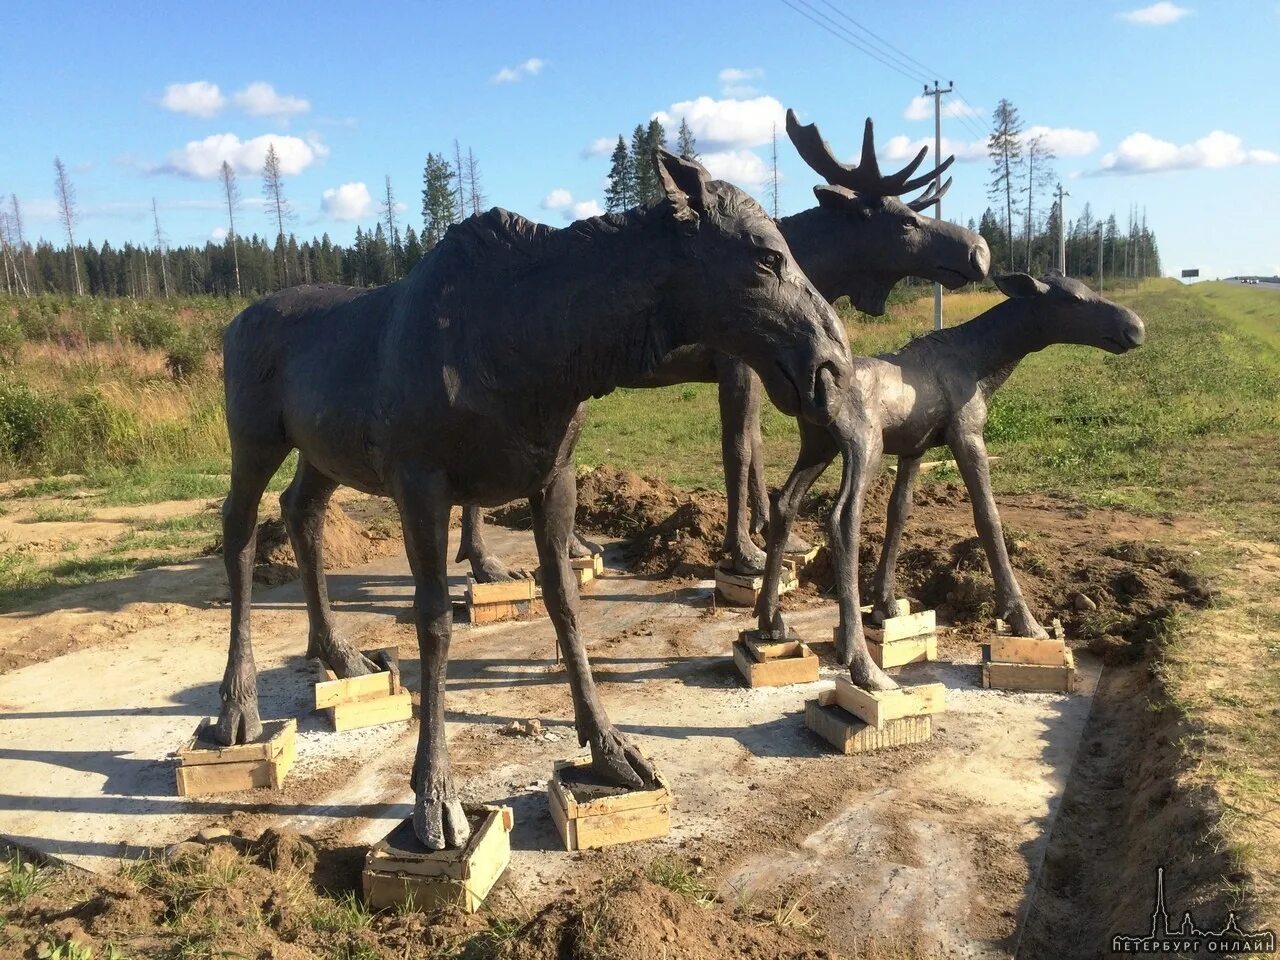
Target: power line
833,28
901,55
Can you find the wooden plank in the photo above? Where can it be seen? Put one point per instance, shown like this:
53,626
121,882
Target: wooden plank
507,610
742,591
878,707
631,800
911,625
799,558
1055,629
330,693
565,825
370,713
224,777
201,750
850,735
607,830
508,591
593,563
1008,649
1031,677
760,640
777,671
902,652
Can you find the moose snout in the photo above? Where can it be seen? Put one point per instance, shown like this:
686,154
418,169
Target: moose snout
980,259
1133,330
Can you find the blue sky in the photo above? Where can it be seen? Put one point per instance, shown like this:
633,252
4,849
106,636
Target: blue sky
1171,106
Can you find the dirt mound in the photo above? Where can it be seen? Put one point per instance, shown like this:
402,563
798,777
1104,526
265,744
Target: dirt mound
347,543
673,532
639,920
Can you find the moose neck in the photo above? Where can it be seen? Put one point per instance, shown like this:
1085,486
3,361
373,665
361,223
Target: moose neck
811,235
991,345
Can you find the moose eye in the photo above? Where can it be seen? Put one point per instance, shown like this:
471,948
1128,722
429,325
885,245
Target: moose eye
770,260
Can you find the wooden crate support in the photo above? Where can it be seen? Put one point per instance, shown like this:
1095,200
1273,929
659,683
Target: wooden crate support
512,600
903,639
878,707
1032,677
1055,629
587,568
801,558
740,590
902,608
609,820
1048,653
850,734
204,767
901,652
364,701
765,661
400,874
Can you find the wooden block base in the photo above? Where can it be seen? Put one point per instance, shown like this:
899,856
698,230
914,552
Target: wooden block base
739,590
800,559
204,767
766,662
1032,677
589,815
899,653
401,874
513,600
879,707
849,734
1055,629
587,568
364,701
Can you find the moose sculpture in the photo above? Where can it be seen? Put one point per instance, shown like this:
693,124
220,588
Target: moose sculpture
934,391
464,382
858,242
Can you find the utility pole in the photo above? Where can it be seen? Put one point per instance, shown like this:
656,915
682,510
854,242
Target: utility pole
937,93
1099,259
1062,232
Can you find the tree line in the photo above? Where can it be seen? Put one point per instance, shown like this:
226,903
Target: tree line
1024,227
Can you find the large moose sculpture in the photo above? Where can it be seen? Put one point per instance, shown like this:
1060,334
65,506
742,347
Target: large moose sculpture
936,390
464,382
858,242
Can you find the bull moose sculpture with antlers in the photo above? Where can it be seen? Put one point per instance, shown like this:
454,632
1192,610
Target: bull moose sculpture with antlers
858,242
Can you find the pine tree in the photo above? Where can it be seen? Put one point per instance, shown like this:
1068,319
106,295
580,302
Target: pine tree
439,208
644,178
686,146
273,191
1004,147
620,193
393,233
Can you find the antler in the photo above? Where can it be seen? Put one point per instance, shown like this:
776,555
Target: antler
866,176
930,196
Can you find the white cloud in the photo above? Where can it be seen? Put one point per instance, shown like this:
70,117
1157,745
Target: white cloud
218,235
584,209
727,124
261,100
600,147
1064,141
1156,15
198,99
921,108
557,199
741,167
1143,153
904,148
736,82
530,68
203,159
351,201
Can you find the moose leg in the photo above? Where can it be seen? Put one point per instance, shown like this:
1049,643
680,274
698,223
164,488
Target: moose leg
303,506
424,501
739,414
861,458
971,457
580,546
613,757
251,470
756,483
485,567
883,589
817,450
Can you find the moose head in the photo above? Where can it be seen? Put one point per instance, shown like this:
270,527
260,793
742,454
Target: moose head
862,239
1058,309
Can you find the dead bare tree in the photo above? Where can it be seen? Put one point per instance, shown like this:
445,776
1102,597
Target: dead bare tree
460,173
232,193
1039,177
273,190
65,192
478,199
15,221
164,270
393,232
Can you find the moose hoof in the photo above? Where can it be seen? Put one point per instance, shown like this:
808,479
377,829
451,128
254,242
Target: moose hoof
580,547
439,822
346,661
797,544
493,570
865,674
237,723
1023,624
618,761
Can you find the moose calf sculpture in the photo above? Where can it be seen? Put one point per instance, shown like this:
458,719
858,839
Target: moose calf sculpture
934,391
464,383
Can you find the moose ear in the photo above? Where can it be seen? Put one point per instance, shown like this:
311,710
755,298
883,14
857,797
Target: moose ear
840,198
684,182
1019,285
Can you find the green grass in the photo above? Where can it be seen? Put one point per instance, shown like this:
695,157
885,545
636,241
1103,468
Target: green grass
21,879
59,514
